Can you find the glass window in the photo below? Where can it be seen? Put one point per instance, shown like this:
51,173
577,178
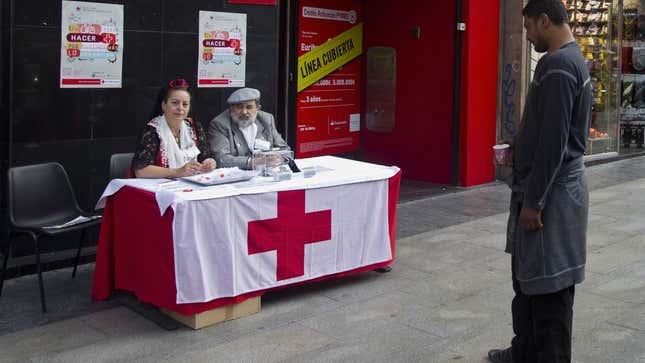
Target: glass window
591,22
381,89
632,24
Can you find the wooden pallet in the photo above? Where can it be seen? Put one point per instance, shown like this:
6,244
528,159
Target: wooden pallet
218,315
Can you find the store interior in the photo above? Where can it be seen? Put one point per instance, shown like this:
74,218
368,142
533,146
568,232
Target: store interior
611,35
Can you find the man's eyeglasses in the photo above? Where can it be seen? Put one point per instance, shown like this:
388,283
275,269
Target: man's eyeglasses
249,106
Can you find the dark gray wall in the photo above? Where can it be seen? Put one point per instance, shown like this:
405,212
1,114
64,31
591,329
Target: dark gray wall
81,128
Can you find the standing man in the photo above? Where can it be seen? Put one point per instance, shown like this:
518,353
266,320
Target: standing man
242,128
547,226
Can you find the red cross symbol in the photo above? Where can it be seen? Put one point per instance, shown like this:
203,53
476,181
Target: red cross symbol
289,232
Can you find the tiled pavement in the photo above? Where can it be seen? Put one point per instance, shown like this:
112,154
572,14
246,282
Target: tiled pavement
446,300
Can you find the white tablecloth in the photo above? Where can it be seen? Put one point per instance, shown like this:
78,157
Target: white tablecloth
332,171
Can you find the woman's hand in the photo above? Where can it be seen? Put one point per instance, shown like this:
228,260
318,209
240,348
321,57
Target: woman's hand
189,169
208,165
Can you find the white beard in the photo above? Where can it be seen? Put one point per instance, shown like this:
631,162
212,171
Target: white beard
243,123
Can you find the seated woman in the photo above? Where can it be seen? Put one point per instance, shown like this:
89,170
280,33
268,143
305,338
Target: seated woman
172,144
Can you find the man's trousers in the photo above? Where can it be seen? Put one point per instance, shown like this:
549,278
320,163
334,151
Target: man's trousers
542,326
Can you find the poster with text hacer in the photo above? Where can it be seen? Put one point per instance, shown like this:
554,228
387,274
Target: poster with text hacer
91,45
222,49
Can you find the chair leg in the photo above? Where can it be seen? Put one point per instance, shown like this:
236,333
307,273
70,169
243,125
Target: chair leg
4,264
78,252
40,273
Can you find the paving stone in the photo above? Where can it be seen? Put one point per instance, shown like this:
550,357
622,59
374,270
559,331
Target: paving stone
66,298
455,282
632,318
609,343
119,322
391,342
495,335
444,254
627,286
631,224
492,224
600,236
365,286
130,347
591,310
602,196
365,317
447,298
63,335
492,240
608,259
622,209
465,318
278,309
373,330
274,345
598,220
448,234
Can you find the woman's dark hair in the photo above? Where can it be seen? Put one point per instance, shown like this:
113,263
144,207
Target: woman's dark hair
554,9
164,93
174,85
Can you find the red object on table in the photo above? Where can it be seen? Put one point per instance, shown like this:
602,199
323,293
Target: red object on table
135,252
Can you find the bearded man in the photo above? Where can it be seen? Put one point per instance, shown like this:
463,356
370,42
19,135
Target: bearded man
235,133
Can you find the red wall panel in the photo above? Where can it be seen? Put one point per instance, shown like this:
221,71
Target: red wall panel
480,67
421,140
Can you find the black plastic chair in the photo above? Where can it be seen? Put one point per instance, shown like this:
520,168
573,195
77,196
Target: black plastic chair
119,165
41,202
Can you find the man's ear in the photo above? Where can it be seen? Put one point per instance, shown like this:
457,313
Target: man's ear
543,20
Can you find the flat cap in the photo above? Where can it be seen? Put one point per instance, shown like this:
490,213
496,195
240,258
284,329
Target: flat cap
243,95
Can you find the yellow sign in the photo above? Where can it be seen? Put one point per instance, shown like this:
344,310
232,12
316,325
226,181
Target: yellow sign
329,56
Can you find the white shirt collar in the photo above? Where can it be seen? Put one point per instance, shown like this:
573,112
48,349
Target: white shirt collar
249,133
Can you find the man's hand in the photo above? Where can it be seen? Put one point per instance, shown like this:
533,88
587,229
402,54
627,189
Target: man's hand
274,160
269,160
531,219
208,165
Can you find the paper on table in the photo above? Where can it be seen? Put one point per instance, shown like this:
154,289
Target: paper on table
115,185
75,221
222,176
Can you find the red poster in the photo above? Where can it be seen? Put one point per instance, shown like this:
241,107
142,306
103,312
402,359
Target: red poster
328,112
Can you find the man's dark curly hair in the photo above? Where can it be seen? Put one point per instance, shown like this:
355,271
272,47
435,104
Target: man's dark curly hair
554,9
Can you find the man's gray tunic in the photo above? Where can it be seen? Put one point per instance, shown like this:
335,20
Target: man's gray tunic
548,174
228,143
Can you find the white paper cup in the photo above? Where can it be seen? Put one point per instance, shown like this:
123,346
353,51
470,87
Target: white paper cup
501,152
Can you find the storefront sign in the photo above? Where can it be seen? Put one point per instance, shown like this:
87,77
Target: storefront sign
222,49
329,75
91,45
330,56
